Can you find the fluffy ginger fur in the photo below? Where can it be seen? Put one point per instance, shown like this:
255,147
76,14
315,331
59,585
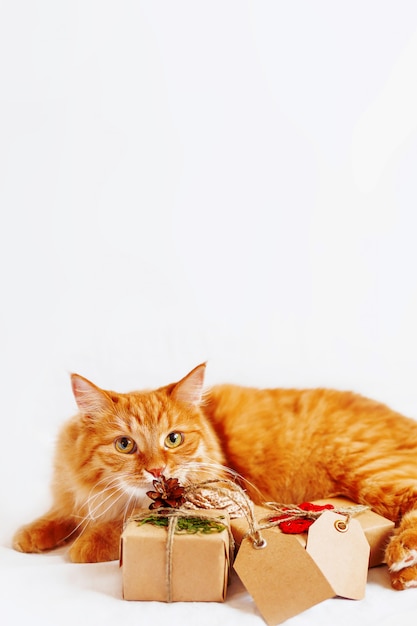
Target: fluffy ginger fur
288,445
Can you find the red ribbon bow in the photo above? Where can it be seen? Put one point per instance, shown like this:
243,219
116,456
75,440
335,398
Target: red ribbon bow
299,524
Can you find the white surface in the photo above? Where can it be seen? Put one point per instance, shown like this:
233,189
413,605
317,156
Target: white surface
182,181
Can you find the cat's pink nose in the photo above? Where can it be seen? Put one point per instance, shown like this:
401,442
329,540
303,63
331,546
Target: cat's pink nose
156,472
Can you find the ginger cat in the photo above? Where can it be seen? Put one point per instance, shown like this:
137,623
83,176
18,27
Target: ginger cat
288,445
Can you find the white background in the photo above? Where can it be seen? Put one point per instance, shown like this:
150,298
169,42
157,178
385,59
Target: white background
230,181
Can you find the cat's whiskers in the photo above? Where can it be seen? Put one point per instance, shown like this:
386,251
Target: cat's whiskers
114,499
124,484
106,480
191,471
94,494
217,471
85,520
112,484
128,508
95,498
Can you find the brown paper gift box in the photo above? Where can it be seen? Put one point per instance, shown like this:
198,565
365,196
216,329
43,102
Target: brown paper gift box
284,578
199,562
377,529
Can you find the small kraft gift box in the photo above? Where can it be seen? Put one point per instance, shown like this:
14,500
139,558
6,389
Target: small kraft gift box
289,573
176,555
377,529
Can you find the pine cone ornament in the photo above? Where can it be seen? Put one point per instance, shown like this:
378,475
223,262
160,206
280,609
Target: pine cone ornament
168,493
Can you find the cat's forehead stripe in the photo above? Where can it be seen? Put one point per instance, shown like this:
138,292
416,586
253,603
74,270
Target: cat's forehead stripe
140,410
143,404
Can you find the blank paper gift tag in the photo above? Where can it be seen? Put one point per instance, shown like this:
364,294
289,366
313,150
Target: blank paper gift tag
282,578
341,551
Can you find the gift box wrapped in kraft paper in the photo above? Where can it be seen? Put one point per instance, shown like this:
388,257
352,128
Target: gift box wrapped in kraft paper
288,573
377,529
176,556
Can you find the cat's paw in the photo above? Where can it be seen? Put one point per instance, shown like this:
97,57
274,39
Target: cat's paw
401,558
97,551
96,545
42,534
405,578
24,541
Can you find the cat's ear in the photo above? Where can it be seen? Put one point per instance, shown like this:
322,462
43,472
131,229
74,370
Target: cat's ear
190,388
91,400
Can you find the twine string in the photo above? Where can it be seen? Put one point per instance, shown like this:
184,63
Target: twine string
285,512
235,493
290,512
173,520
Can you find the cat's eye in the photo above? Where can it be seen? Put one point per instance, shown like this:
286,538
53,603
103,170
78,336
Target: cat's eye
174,439
125,445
